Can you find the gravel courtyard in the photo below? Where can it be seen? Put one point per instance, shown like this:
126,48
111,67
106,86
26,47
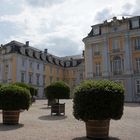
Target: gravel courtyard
37,124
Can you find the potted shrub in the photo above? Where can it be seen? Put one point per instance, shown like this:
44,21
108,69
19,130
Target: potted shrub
13,98
51,101
96,103
33,91
57,90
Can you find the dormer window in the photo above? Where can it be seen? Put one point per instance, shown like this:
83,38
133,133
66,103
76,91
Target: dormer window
135,23
96,30
74,63
67,64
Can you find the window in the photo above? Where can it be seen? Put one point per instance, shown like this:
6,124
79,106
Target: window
6,67
38,66
44,82
50,79
50,69
138,64
57,71
67,63
81,76
138,86
137,43
117,65
22,77
97,50
30,77
37,79
96,30
98,72
30,64
135,23
6,77
74,73
23,62
44,67
115,45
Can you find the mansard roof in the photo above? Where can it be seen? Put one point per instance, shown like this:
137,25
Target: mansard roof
27,50
113,23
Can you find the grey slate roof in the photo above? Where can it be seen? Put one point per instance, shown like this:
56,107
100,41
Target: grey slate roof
25,49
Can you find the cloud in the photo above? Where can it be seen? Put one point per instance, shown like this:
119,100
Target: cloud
9,29
43,3
103,14
136,8
59,25
127,9
61,46
10,7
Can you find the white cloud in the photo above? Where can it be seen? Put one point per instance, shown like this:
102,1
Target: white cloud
59,25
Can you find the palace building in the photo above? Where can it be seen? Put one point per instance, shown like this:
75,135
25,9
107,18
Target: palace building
20,62
112,51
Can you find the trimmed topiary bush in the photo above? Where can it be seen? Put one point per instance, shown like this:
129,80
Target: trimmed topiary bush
57,90
98,100
33,91
13,97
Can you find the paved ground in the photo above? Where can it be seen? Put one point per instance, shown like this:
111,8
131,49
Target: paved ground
37,124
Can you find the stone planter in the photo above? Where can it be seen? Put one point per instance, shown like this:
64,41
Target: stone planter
11,117
97,128
58,109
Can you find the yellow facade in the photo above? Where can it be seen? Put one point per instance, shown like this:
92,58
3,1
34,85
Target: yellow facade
120,60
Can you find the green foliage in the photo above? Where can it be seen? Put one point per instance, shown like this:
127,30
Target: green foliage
98,100
13,97
33,91
57,90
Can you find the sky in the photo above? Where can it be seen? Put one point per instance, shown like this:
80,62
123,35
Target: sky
58,25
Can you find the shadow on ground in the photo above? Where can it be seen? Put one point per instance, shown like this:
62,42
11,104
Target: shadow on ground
85,138
132,104
49,117
4,127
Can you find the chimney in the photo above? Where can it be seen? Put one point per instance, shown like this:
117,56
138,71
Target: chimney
114,18
27,43
46,51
